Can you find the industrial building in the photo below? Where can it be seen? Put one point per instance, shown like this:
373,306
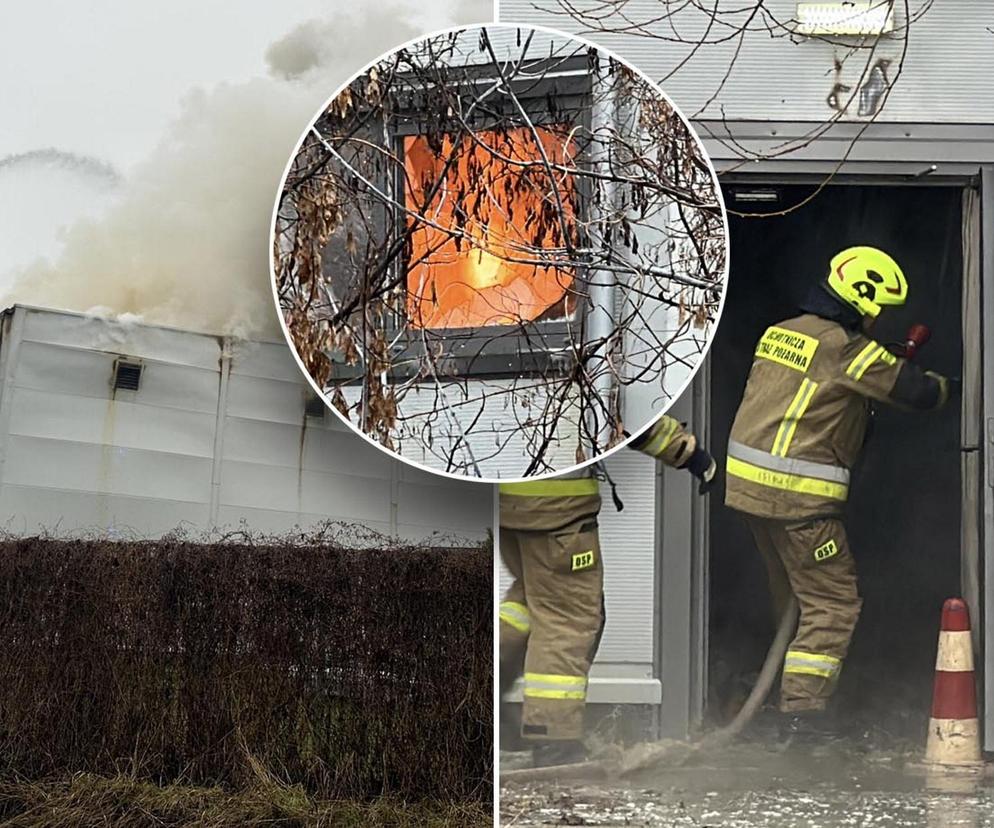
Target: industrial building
134,430
892,145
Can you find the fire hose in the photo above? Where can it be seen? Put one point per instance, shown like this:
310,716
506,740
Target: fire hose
643,756
647,755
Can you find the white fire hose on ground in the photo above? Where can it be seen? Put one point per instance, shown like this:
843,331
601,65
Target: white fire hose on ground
647,755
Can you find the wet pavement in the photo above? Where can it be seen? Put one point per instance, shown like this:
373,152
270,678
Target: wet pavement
748,785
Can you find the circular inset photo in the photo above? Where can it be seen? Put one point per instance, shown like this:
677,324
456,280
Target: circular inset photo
498,252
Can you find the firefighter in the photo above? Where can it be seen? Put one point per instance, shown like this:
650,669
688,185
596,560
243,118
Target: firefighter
552,616
798,431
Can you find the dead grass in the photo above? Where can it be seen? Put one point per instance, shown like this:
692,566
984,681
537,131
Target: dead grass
86,800
351,672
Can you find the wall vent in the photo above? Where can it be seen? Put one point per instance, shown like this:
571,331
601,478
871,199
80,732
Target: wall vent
127,374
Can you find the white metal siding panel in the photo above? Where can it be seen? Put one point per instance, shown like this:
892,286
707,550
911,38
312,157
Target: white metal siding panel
334,495
946,77
84,372
269,360
628,543
652,380
76,459
69,466
272,521
493,434
265,400
278,471
272,463
149,342
323,448
468,505
123,425
32,510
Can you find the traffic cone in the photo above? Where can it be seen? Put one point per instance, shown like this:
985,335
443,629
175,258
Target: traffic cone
953,732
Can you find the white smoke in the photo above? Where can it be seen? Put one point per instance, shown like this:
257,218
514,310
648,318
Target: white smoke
186,240
40,193
312,46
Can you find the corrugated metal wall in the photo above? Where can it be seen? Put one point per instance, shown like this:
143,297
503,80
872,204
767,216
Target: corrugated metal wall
215,435
484,415
628,540
945,79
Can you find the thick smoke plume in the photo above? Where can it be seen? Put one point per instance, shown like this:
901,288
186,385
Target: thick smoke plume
186,240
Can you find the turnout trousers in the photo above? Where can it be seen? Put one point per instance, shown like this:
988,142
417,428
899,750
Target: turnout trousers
551,619
812,560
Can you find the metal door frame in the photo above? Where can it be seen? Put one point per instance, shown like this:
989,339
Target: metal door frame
692,673
986,564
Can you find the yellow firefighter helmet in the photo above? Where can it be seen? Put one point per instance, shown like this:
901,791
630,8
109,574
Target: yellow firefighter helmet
867,279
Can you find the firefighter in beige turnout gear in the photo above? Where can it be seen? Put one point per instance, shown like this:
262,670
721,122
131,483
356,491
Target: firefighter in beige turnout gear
552,615
798,431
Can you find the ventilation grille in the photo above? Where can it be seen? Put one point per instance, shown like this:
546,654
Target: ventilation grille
127,375
314,407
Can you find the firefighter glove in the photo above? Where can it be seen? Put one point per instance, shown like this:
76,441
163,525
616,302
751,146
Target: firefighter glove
947,387
703,466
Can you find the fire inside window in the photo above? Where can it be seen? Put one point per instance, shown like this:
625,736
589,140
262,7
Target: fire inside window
495,228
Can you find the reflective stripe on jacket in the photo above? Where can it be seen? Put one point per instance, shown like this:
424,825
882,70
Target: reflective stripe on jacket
666,440
802,421
549,504
546,505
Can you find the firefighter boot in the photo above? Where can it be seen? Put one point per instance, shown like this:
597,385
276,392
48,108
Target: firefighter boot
807,728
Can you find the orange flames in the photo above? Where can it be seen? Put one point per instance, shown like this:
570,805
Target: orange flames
505,216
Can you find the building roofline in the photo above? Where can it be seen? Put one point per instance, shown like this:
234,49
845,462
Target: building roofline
11,309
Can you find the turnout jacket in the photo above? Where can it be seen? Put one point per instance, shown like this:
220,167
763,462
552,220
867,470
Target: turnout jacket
802,421
547,505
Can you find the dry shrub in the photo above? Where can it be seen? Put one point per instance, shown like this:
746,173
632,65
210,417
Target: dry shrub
349,672
122,802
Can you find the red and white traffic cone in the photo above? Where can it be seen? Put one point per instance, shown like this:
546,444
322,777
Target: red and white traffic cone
953,732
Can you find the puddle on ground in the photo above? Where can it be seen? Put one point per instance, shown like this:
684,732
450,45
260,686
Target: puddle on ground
750,785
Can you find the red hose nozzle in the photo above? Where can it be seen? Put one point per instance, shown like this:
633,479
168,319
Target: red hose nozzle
916,338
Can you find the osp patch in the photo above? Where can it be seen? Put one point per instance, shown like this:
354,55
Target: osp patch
583,560
826,550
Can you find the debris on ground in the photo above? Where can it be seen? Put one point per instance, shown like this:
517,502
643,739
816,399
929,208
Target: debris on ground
847,783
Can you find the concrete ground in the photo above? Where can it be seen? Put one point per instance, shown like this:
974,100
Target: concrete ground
753,785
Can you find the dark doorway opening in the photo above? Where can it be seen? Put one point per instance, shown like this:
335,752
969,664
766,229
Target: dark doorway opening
904,508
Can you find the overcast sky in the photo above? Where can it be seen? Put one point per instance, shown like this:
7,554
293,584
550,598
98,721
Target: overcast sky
103,77
103,80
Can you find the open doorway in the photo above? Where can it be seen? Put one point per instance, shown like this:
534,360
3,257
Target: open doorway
905,502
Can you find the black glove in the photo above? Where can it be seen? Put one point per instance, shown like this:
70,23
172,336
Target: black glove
703,466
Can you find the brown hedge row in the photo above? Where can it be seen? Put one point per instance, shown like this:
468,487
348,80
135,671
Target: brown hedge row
350,672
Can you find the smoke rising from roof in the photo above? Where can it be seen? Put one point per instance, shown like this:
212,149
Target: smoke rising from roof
57,159
42,191
315,45
185,242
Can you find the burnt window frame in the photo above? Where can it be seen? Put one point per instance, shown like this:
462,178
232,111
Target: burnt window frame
496,351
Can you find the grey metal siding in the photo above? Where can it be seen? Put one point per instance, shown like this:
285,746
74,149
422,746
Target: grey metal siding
214,436
945,79
629,561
